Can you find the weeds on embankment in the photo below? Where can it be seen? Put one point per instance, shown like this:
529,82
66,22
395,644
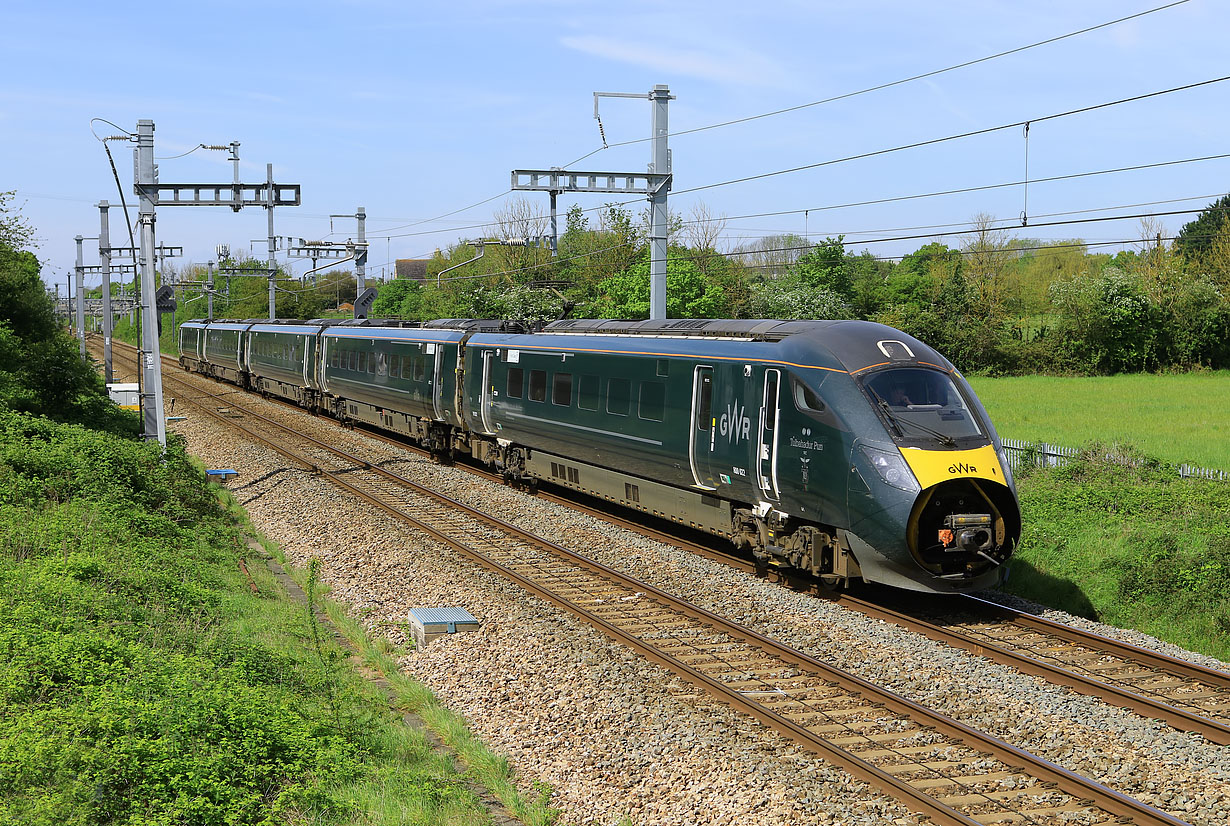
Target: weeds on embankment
1129,544
144,682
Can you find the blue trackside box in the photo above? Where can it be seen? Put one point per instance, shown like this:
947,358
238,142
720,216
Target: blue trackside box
429,623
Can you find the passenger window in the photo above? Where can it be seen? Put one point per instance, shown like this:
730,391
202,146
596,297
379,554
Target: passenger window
588,399
407,367
363,361
354,360
617,394
394,367
653,399
382,365
538,385
516,382
561,393
418,368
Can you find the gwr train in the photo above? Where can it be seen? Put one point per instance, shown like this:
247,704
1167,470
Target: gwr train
844,448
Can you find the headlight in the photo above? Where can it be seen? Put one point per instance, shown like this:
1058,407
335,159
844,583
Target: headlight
892,468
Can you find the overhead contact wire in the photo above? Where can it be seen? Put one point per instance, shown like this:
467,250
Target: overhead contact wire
890,84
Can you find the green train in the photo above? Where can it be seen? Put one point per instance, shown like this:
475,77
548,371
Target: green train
847,449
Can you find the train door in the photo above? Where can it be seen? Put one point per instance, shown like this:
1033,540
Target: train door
486,392
437,389
700,440
766,463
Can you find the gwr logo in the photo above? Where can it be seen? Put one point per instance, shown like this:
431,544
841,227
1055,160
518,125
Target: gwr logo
735,423
961,467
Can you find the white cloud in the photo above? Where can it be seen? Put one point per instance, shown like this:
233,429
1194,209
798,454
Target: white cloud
736,65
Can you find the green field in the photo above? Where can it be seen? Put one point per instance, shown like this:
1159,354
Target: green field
1176,418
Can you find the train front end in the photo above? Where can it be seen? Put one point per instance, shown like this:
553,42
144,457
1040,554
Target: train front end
934,505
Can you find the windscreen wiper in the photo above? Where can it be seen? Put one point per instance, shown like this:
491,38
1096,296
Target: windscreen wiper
897,421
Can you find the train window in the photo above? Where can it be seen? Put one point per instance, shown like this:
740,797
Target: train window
618,391
371,362
704,401
516,382
418,368
664,367
770,399
653,400
588,398
538,385
354,360
363,361
394,367
805,399
561,391
407,367
382,364
922,404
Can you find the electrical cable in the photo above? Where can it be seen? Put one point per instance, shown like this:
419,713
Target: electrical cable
959,136
982,188
181,155
1006,222
889,85
445,215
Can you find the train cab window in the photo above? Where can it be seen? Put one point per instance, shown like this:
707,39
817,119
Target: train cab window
588,393
653,400
538,385
561,390
516,382
922,404
618,392
418,368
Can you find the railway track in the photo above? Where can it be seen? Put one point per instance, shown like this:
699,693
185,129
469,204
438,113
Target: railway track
937,766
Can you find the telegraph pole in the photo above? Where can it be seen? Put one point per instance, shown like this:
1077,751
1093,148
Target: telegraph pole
104,260
155,425
273,243
80,271
209,289
656,184
236,196
660,97
360,259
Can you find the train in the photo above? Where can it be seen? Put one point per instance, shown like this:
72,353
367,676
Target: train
845,449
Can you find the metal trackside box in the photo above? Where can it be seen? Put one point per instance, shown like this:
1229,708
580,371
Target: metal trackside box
429,623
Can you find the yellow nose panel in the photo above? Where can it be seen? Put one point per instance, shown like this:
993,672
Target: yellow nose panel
934,466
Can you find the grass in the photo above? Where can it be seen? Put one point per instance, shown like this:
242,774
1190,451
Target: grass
1177,418
144,682
1134,547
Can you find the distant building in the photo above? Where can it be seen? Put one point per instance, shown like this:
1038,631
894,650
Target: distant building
415,268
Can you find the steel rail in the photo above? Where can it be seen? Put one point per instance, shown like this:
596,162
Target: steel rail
1179,718
1213,730
1081,788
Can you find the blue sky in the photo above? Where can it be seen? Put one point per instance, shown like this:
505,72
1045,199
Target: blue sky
413,110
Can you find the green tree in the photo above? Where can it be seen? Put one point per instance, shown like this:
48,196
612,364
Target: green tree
1196,237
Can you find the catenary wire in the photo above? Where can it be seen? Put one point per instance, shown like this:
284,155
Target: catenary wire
958,136
891,84
965,190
